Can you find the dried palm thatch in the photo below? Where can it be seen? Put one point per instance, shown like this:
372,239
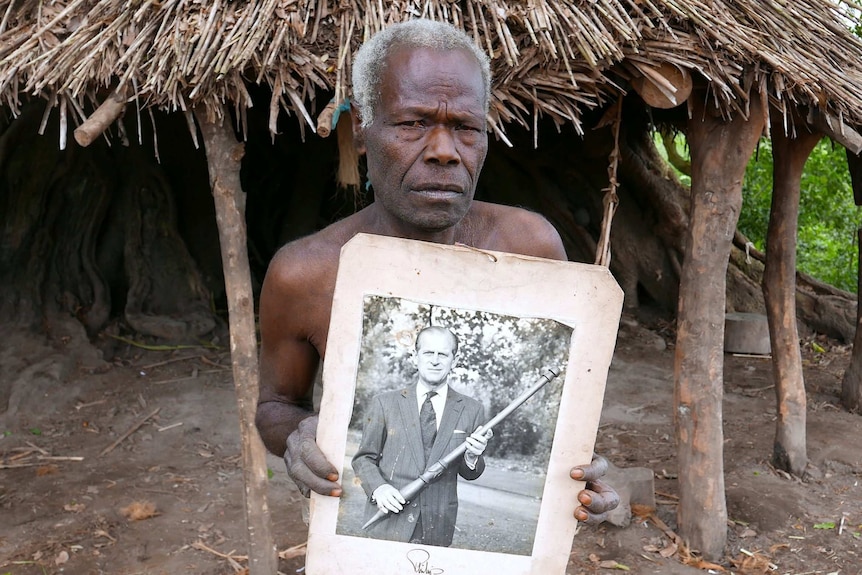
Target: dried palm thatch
551,57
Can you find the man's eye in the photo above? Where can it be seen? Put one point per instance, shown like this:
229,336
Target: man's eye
413,124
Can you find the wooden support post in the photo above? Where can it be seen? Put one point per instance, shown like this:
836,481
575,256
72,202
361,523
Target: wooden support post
779,292
719,153
851,385
224,154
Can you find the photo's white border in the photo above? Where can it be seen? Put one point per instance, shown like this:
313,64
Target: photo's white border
579,295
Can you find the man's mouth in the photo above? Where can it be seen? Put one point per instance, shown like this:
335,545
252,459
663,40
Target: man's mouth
438,191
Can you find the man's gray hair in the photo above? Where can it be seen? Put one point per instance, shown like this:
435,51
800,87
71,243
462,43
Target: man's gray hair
439,330
420,33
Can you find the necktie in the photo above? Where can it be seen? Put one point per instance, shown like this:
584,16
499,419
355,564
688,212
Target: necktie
428,423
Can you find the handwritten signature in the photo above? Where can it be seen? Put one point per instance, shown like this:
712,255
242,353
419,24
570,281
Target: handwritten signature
419,559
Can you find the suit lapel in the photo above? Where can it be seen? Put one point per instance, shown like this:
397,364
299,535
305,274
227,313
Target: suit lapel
410,417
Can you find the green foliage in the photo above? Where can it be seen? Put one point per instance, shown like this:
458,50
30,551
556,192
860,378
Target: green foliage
828,217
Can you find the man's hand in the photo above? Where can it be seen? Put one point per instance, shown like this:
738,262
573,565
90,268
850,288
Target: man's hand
306,464
388,499
598,498
476,444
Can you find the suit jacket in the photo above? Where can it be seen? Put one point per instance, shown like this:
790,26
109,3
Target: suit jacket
391,452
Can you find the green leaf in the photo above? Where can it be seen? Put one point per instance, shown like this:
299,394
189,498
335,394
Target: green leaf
35,431
7,433
826,525
269,473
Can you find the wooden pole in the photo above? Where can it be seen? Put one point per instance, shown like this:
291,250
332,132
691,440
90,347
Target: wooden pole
851,384
779,292
224,154
719,153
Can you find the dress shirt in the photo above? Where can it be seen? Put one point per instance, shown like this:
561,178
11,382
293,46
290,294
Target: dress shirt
438,401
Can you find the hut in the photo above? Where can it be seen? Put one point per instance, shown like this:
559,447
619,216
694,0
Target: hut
107,106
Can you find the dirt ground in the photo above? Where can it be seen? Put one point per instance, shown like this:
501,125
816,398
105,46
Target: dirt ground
131,464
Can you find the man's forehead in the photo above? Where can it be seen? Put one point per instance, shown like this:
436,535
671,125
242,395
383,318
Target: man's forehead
406,64
436,339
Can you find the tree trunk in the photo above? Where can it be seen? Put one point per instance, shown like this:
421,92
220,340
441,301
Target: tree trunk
779,291
851,384
719,152
224,154
83,239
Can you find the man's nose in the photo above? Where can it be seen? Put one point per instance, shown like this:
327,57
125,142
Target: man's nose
441,148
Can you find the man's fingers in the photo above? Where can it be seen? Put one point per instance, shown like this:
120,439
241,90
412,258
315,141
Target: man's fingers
389,499
596,503
306,480
476,446
315,460
307,465
595,470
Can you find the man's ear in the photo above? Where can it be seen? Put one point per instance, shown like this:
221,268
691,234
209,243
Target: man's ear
358,131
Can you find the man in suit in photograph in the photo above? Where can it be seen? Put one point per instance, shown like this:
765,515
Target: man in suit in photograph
409,429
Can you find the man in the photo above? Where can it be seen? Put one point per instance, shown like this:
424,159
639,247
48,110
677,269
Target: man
421,95
396,448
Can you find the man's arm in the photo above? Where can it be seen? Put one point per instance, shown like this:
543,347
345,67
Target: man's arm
472,465
366,461
288,365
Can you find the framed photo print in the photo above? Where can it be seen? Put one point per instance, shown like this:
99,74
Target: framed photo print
460,386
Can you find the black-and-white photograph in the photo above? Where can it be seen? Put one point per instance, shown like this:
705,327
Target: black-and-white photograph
452,426
503,374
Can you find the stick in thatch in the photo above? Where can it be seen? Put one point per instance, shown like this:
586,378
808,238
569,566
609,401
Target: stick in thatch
105,115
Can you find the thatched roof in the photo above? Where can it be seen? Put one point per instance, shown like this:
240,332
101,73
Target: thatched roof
551,57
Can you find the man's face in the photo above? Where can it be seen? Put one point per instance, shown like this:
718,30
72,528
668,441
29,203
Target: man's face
427,143
435,357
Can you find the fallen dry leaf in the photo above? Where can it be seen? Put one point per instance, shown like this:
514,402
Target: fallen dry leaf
642,511
611,564
46,470
669,551
139,510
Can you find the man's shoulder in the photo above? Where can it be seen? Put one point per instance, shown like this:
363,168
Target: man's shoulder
458,396
395,394
314,254
514,229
